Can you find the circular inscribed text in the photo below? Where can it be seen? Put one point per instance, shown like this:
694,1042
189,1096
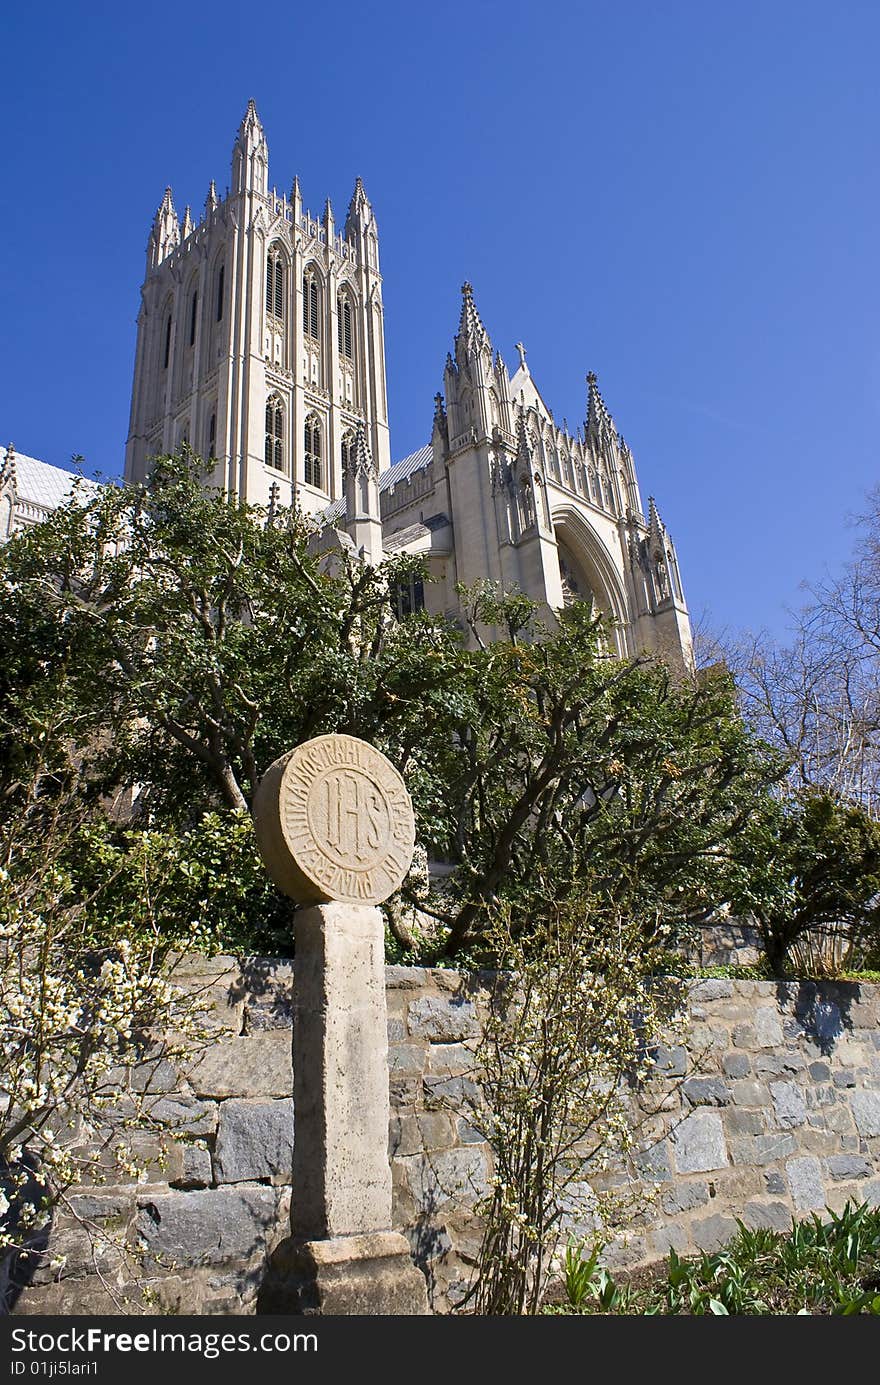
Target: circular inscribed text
335,822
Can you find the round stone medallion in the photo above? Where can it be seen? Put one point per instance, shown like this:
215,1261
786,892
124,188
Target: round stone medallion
334,822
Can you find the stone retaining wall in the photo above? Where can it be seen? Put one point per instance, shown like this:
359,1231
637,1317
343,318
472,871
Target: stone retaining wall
771,1110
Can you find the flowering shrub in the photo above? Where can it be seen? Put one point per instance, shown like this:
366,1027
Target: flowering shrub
564,1063
72,1016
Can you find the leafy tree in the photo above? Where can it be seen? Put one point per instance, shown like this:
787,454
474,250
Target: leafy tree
809,864
162,644
567,766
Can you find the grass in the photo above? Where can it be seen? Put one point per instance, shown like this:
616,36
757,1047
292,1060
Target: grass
825,1267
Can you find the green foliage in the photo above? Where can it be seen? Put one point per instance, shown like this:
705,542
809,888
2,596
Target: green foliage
165,641
206,884
569,767
827,1267
808,863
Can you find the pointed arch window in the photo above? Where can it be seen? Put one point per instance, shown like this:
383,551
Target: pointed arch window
313,471
221,275
274,455
167,357
408,596
275,272
212,438
311,301
346,335
193,317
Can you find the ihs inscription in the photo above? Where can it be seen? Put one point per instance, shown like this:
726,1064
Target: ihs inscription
346,821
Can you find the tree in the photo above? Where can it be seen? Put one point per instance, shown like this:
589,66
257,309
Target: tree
809,864
816,697
164,644
807,868
568,766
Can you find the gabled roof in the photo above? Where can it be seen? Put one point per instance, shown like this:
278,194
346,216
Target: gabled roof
402,471
45,487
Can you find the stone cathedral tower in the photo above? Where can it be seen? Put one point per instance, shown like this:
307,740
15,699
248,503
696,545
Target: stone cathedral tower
261,343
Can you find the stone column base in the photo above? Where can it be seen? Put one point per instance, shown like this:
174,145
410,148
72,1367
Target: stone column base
364,1275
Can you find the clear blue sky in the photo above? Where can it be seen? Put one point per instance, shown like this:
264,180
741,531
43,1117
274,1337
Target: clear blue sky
682,197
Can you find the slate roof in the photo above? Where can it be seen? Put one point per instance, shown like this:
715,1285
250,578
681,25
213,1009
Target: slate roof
400,471
45,486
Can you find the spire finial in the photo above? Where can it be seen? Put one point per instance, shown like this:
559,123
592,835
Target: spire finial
7,466
599,421
472,335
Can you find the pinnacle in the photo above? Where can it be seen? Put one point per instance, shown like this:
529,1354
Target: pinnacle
363,456
655,523
7,465
471,333
251,114
358,208
598,417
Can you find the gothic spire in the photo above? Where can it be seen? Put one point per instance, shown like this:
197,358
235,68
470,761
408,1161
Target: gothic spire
7,468
599,420
472,336
359,212
362,460
211,201
656,527
251,125
187,227
250,154
165,232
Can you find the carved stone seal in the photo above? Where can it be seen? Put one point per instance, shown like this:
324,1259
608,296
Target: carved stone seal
334,822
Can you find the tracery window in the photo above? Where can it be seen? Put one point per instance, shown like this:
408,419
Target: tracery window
313,451
274,456
346,337
275,272
310,304
193,317
167,357
221,276
409,596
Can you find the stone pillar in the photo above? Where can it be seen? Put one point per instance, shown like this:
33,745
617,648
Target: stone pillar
335,828
341,1174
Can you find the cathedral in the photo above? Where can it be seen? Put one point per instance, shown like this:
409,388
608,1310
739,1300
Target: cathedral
261,345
